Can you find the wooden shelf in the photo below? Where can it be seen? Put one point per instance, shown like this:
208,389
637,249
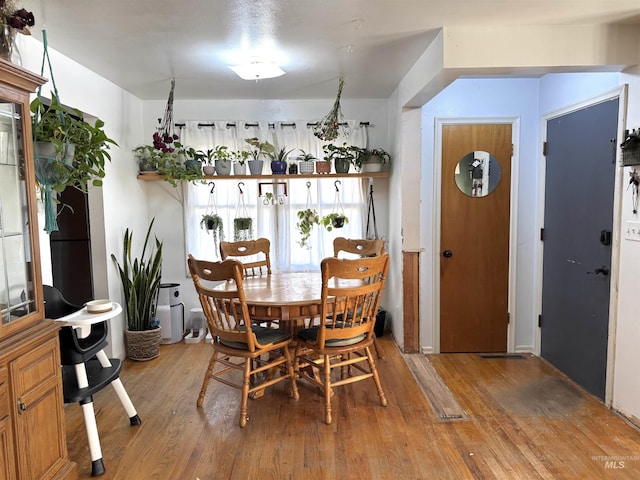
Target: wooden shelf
152,177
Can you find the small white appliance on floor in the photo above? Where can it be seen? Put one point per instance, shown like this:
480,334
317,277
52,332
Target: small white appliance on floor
171,312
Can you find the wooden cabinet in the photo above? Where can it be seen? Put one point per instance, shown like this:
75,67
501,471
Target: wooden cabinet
32,434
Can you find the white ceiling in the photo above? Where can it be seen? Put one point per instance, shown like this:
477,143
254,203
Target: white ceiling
140,44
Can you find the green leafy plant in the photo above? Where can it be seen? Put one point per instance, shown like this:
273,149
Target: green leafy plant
212,222
306,157
257,149
367,154
344,151
140,278
242,228
280,155
307,218
334,220
63,127
221,153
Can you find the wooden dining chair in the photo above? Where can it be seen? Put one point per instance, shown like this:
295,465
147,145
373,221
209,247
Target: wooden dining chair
258,250
357,247
260,354
351,291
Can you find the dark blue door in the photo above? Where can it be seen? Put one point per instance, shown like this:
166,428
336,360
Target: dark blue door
578,219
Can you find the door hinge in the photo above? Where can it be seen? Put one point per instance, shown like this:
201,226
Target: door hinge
544,148
512,149
539,320
508,318
542,234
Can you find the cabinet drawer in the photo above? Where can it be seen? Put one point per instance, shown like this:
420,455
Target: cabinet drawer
4,394
36,367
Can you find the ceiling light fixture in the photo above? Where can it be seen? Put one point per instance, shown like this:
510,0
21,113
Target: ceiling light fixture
257,69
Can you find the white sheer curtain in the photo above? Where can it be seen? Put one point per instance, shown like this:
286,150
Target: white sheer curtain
275,222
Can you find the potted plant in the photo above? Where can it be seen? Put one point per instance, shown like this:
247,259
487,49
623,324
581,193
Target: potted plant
372,160
307,162
307,218
239,160
222,160
334,220
68,150
147,158
140,278
343,156
256,151
242,228
279,161
193,159
212,222
208,167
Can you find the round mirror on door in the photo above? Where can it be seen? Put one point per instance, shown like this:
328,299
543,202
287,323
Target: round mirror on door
477,174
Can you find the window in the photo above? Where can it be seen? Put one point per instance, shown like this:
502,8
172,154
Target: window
232,197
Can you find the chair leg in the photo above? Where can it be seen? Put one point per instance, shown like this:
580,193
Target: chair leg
376,378
134,419
245,392
327,390
292,375
97,465
207,377
375,346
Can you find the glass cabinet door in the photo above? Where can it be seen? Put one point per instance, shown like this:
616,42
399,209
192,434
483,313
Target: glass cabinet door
16,286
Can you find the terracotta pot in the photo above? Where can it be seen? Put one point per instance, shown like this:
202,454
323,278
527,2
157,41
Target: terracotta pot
323,167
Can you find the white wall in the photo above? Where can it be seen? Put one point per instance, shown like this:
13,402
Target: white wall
121,202
164,201
475,99
626,386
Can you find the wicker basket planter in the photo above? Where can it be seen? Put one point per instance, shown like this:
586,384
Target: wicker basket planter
143,345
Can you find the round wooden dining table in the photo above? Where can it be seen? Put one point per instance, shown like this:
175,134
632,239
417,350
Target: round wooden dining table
290,299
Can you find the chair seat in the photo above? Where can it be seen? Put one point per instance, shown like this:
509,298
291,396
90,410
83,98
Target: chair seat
97,376
264,335
311,335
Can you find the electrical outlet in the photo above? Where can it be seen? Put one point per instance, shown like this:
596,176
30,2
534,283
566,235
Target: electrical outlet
632,231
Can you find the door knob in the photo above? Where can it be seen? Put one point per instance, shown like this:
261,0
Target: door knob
602,270
447,254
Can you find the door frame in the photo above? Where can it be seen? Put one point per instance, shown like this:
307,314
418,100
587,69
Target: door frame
513,220
618,190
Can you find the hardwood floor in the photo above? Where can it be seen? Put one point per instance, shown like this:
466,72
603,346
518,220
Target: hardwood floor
524,421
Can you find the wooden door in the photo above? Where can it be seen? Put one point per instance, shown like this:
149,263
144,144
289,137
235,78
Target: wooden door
474,245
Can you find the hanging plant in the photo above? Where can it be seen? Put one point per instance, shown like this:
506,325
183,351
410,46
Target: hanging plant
307,218
334,220
337,218
242,228
211,221
328,128
68,151
242,223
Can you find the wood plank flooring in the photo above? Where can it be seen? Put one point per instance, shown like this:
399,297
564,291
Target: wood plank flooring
523,421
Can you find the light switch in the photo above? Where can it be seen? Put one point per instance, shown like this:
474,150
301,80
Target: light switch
632,231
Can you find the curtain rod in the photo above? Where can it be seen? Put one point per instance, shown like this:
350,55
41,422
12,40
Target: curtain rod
271,125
